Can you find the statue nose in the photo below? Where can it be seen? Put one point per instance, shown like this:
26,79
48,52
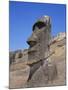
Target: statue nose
31,43
32,40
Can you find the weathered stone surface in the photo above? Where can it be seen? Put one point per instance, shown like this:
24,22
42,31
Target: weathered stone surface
35,66
45,74
40,76
18,78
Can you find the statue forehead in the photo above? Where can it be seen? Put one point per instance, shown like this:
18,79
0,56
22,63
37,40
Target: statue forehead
44,18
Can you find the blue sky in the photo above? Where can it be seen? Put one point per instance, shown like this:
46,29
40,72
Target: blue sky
22,16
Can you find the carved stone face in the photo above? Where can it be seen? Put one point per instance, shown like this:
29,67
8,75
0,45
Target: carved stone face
39,39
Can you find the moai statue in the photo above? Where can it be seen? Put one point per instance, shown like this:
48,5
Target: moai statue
39,40
39,44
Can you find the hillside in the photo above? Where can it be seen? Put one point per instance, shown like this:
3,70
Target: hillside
51,73
59,59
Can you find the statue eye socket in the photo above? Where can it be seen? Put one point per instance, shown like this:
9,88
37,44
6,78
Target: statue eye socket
39,25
